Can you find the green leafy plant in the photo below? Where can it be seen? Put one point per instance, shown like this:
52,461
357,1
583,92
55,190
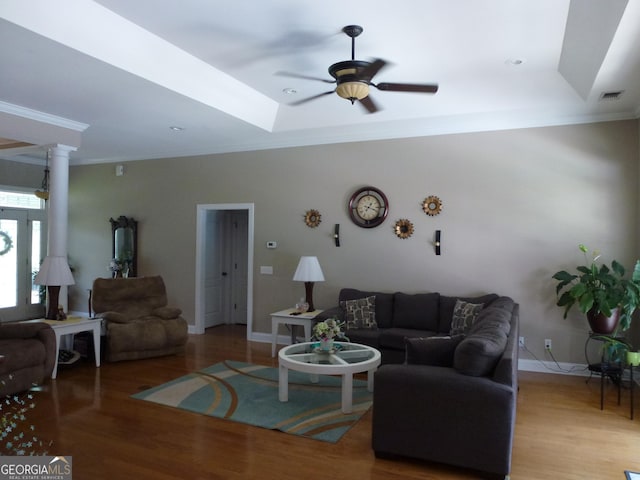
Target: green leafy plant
599,289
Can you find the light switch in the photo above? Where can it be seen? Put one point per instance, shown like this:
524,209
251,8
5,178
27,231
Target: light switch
266,269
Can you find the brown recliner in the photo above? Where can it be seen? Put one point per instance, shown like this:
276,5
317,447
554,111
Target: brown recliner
139,324
29,351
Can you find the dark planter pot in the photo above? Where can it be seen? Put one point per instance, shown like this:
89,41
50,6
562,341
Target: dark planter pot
600,323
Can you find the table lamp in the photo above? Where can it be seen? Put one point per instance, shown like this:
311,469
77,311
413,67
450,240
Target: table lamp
308,271
54,273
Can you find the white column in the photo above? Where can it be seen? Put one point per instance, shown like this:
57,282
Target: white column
58,214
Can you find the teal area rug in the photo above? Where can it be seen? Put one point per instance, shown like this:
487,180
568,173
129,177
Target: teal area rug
248,393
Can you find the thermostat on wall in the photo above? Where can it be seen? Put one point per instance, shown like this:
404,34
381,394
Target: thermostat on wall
272,244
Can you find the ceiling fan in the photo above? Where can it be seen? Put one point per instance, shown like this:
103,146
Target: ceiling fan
353,78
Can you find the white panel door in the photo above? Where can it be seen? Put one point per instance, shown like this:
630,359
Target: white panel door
239,229
214,277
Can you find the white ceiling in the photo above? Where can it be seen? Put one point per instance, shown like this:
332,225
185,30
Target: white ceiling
114,75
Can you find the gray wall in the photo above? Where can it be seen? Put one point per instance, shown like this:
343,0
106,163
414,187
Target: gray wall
515,206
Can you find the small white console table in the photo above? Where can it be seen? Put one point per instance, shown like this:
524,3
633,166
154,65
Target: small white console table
74,325
286,317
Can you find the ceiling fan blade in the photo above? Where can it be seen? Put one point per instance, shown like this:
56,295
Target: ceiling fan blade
368,104
304,77
372,69
308,99
407,87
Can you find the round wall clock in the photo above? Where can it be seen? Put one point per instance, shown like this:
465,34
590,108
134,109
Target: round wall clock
432,205
368,207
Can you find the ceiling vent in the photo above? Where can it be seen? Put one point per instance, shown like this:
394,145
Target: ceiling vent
611,95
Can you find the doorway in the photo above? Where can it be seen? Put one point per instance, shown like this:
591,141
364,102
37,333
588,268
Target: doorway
224,265
23,236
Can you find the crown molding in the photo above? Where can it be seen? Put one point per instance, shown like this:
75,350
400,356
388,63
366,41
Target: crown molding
43,117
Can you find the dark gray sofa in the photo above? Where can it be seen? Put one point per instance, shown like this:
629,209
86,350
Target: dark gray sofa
442,396
454,401
399,316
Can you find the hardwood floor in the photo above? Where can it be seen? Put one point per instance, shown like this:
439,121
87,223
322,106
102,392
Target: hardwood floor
88,414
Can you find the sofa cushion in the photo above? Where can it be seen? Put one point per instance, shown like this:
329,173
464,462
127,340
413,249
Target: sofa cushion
419,311
464,314
478,354
133,297
497,315
394,338
147,334
384,304
360,313
447,304
364,336
437,351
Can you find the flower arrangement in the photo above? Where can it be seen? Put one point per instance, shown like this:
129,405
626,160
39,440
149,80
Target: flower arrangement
115,265
119,267
327,329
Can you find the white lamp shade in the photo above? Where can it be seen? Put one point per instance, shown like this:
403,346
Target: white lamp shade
308,270
54,271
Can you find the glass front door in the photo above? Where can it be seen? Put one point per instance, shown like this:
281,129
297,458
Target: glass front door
22,248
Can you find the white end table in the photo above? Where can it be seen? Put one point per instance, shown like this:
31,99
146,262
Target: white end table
345,360
286,317
74,325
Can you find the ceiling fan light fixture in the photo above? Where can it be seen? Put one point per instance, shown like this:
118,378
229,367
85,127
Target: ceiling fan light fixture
353,90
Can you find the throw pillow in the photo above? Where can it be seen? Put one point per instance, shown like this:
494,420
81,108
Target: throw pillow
464,314
360,313
435,351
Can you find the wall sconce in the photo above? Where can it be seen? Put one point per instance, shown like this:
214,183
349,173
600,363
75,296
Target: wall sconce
437,242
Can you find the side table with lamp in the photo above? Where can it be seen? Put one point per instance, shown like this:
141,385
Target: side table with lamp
308,271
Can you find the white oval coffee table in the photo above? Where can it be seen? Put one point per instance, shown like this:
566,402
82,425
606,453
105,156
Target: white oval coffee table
344,360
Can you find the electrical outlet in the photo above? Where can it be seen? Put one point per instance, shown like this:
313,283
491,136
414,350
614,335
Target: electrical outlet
547,344
521,342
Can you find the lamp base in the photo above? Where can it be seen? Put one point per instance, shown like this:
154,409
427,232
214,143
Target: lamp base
52,297
308,290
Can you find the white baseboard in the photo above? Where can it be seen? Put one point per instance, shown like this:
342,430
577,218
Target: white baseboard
560,368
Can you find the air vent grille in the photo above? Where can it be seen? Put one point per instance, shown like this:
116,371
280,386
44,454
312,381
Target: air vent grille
611,95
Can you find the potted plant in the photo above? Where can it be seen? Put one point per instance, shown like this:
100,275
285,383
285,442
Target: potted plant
601,293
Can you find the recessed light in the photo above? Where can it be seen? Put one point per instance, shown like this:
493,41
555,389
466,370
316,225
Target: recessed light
176,128
514,61
289,91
